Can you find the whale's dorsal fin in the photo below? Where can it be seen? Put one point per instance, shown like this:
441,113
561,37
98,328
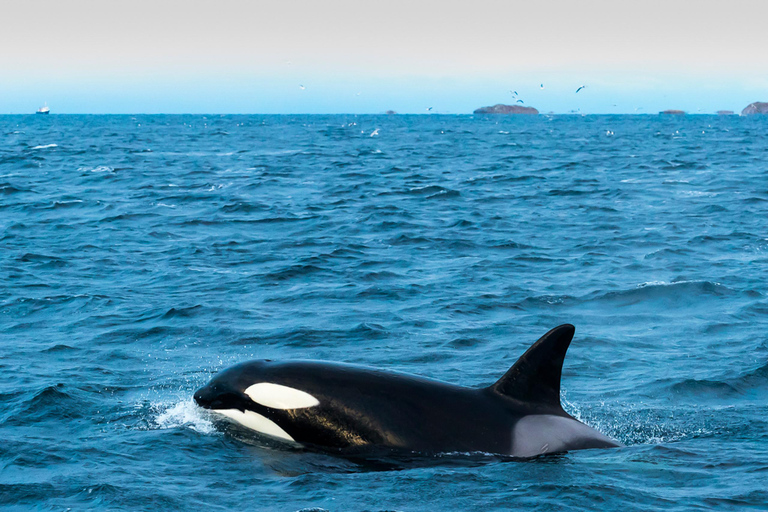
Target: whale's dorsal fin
535,377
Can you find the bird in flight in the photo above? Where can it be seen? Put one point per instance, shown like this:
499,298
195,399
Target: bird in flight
429,108
301,87
520,101
542,86
514,93
580,88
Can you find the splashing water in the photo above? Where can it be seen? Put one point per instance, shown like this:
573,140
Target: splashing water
183,414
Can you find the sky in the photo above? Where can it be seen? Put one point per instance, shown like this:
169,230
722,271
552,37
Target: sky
341,56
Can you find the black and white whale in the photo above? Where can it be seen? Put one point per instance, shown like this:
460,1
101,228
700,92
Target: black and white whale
342,408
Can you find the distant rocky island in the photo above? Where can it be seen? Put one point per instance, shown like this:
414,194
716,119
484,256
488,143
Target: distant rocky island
506,109
757,107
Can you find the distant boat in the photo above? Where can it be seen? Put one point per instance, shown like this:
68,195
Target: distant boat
44,109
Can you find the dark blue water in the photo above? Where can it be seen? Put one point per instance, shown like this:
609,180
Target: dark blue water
139,255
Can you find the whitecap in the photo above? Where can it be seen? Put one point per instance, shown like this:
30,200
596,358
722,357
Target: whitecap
653,283
46,146
697,193
675,283
100,168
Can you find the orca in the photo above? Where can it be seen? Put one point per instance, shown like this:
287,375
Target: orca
345,408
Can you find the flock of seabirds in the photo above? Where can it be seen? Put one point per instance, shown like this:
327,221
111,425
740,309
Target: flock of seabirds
753,108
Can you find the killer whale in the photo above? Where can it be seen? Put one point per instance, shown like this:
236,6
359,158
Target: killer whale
338,407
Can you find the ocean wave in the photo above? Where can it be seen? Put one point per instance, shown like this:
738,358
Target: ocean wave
126,216
187,312
245,207
655,290
682,292
574,192
12,159
406,239
97,169
445,194
60,348
307,337
294,271
8,189
66,204
53,402
725,387
380,276
432,191
43,260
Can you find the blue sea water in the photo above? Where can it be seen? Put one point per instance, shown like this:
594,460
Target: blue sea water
141,254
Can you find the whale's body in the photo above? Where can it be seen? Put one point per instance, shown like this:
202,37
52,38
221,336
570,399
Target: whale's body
343,407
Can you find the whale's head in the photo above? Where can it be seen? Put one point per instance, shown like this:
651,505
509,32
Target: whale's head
227,389
247,394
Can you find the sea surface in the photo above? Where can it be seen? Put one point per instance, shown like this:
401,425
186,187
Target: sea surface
139,255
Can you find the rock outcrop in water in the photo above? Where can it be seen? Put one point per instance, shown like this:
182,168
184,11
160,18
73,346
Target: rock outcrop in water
757,107
506,109
672,112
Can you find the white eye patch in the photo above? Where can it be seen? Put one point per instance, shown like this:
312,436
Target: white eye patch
255,421
276,396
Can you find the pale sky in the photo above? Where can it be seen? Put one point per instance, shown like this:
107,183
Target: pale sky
235,56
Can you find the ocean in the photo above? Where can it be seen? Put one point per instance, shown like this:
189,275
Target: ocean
139,255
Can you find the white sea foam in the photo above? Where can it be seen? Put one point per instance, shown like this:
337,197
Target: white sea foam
183,414
100,168
46,146
654,283
676,283
697,193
